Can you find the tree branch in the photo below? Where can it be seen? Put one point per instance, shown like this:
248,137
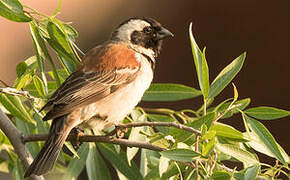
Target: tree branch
15,137
90,138
153,124
15,92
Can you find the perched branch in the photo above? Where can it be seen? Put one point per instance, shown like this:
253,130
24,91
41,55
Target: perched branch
90,138
153,124
15,137
15,92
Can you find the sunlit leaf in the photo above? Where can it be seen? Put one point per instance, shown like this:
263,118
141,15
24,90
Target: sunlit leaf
14,105
60,44
96,167
13,10
76,165
119,161
265,137
226,76
200,64
184,155
267,113
163,165
248,173
39,86
227,131
169,92
244,156
220,175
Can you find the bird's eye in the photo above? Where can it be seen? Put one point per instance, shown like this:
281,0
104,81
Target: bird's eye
147,29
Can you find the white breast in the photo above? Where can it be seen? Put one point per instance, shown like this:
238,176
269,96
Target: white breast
120,103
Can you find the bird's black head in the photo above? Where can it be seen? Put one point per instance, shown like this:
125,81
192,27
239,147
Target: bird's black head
143,32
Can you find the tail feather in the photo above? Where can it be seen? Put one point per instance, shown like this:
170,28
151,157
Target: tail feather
46,158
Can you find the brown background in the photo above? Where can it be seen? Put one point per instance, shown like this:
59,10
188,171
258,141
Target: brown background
227,28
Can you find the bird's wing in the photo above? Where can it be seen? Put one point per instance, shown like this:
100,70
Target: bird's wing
94,81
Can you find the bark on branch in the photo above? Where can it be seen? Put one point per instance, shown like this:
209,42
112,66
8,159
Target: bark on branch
90,138
15,137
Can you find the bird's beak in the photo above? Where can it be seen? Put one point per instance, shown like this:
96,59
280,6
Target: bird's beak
164,33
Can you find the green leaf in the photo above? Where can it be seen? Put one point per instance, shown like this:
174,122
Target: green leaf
208,147
23,81
229,132
267,113
4,165
76,165
96,167
39,85
265,137
26,66
244,156
56,11
62,47
248,173
169,92
28,128
72,33
226,76
220,175
119,161
200,64
13,10
163,165
207,120
259,146
184,155
39,49
14,105
241,104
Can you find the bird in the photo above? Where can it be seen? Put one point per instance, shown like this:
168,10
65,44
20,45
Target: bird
109,83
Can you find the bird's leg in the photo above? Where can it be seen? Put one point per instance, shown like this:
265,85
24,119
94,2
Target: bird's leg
76,133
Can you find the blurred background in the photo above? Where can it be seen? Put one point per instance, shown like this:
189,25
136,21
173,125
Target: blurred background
227,28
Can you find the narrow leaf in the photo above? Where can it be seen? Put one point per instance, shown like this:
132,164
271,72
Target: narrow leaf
265,136
38,45
96,167
227,131
39,85
119,161
14,105
267,113
169,92
13,10
76,165
248,173
244,156
200,64
184,155
226,76
60,44
163,165
220,175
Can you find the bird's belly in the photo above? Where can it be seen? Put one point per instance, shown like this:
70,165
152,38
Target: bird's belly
117,105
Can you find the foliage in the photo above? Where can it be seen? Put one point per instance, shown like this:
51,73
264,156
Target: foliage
188,156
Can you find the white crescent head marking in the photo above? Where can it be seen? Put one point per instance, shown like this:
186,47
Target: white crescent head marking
125,31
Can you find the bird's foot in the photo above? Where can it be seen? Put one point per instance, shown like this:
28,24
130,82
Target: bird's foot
76,133
120,131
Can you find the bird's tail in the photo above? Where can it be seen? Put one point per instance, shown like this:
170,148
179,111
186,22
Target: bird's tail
46,158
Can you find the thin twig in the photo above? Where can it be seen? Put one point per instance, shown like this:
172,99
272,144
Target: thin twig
91,138
196,161
15,92
153,124
4,83
15,137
